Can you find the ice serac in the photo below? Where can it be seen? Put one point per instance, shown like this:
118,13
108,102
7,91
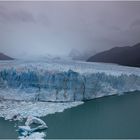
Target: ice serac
61,81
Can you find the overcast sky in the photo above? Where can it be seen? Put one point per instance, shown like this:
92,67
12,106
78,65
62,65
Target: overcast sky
56,28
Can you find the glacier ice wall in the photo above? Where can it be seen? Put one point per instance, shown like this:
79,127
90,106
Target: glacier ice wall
34,82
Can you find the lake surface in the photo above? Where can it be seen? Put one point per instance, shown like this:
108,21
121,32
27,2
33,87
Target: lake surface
107,117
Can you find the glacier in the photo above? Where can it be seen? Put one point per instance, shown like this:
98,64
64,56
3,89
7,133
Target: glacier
64,81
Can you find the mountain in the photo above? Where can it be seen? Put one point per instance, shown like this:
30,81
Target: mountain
5,57
127,56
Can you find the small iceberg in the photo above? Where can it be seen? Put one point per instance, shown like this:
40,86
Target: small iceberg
24,130
27,130
34,136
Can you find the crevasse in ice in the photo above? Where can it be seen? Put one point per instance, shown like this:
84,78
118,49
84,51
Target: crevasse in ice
65,81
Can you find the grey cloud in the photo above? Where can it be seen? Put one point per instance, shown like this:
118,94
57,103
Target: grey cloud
22,16
15,16
135,24
9,15
42,19
59,27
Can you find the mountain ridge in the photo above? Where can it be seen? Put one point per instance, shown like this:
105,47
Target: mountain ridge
5,57
127,56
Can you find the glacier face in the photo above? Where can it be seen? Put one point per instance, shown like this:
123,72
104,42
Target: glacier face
65,81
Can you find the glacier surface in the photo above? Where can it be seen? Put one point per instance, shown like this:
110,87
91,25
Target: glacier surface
64,81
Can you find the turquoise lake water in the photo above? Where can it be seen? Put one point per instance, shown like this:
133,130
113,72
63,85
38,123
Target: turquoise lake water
107,117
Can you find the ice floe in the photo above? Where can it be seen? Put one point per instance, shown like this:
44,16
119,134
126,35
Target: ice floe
34,136
8,109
